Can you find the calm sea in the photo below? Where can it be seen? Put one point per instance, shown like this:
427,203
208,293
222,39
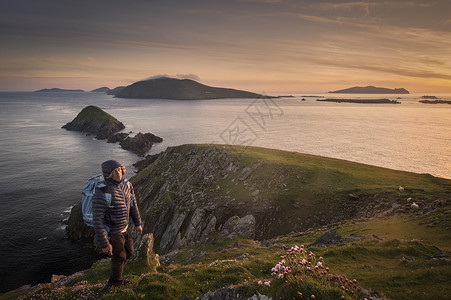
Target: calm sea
44,166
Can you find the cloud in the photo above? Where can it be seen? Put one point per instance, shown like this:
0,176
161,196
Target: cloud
188,76
178,76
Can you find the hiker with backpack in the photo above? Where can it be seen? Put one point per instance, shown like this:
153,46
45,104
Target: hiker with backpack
113,204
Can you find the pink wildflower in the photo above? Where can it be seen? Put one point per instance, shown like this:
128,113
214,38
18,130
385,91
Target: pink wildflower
260,282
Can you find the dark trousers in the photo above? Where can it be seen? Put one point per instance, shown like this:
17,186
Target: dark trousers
122,245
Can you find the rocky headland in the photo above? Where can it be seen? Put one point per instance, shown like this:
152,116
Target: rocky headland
370,90
179,89
200,194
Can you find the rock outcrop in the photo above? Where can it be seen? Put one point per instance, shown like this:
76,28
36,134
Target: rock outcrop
77,230
235,225
140,143
94,120
145,251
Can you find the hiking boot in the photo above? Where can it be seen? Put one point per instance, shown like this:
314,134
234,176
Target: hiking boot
122,282
112,284
125,282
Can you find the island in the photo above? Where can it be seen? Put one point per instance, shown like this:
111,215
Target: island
437,101
101,90
57,90
428,97
370,90
368,101
179,89
93,119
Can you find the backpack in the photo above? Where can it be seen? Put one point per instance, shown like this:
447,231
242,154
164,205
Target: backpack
87,193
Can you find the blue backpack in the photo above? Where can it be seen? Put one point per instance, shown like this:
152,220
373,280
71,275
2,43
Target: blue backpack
87,193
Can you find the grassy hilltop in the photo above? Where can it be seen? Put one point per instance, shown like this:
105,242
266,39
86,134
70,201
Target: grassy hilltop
394,241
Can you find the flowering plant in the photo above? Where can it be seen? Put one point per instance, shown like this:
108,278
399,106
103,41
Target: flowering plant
301,269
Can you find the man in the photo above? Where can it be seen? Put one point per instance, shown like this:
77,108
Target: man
115,219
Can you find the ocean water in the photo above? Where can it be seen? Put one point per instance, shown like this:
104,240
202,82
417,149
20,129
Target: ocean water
45,166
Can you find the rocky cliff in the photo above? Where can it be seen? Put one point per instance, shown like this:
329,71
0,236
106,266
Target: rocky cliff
199,193
94,120
203,193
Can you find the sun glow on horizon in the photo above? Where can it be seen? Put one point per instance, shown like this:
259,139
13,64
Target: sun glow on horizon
275,47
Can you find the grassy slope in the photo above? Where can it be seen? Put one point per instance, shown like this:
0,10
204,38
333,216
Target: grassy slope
294,191
376,262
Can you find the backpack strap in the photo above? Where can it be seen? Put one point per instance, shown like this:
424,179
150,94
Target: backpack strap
106,192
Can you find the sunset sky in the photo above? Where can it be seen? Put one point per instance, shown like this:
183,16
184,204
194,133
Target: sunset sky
269,46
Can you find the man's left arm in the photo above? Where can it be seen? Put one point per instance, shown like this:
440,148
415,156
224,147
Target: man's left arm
134,212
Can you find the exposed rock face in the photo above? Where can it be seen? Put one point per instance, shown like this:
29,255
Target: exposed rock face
145,250
244,227
77,230
140,143
330,237
94,120
118,137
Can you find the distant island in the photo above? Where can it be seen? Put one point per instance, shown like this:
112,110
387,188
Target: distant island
115,91
179,89
57,90
101,90
370,90
368,101
93,119
437,101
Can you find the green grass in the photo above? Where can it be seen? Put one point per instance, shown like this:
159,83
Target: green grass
375,263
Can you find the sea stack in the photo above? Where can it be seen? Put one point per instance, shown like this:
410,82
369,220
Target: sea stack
94,120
